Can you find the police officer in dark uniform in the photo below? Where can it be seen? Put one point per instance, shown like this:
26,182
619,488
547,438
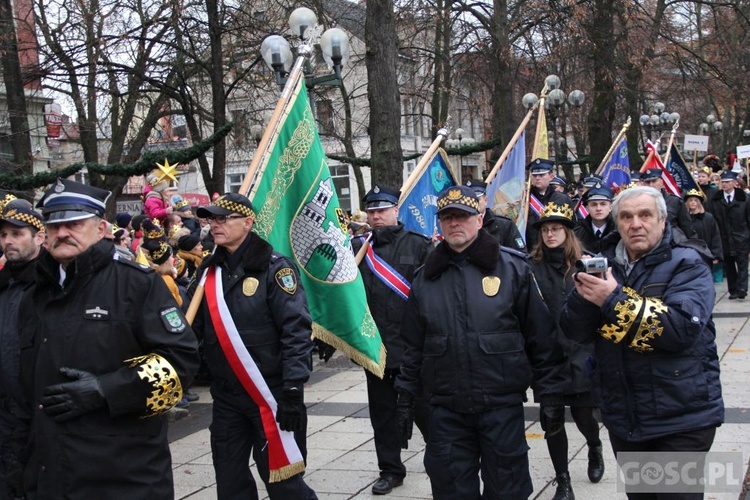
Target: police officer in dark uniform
478,334
502,228
598,223
21,238
543,193
677,214
404,251
105,352
268,313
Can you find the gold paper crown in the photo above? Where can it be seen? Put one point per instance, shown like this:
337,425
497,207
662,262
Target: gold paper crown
26,218
180,204
159,253
155,233
5,200
456,197
173,230
554,210
695,192
234,207
705,170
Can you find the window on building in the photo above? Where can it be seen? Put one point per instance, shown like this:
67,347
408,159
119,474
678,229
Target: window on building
234,181
340,177
324,109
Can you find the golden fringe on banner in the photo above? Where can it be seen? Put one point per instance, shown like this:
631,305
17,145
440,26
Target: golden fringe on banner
326,336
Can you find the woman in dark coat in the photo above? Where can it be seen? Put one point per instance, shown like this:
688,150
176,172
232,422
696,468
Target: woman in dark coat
705,226
553,261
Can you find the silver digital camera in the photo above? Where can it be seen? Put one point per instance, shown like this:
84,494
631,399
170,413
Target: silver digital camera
594,265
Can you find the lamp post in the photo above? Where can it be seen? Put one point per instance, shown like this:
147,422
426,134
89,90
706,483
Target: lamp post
556,105
657,121
334,45
460,139
711,126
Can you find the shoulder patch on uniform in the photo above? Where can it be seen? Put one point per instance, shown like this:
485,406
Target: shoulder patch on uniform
286,280
142,268
173,319
513,251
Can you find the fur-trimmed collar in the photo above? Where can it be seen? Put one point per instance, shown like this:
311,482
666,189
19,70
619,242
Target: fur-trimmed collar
483,252
256,256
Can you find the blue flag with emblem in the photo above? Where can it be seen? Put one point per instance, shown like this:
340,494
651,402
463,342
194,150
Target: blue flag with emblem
418,210
616,173
676,166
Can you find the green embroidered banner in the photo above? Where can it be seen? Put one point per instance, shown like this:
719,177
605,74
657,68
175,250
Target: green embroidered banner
298,212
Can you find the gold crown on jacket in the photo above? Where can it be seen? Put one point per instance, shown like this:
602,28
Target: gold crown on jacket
554,210
695,192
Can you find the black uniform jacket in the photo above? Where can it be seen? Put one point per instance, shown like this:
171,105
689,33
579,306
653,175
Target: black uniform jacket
585,233
733,220
107,316
270,313
478,332
504,229
405,251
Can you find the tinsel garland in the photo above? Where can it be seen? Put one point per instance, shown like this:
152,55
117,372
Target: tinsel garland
143,166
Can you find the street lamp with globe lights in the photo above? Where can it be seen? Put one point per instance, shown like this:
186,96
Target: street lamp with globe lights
334,45
658,121
711,126
556,105
458,142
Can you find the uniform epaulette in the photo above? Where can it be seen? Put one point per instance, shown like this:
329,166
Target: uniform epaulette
513,251
144,269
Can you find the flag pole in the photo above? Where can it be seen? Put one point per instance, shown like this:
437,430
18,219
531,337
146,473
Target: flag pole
260,154
670,142
612,148
511,144
423,163
527,191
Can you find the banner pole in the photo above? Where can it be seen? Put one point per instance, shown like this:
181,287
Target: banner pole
260,153
612,148
670,142
511,144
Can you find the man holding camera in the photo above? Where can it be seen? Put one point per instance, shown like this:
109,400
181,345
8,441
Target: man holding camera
656,374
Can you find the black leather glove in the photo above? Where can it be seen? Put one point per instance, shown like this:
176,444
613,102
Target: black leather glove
291,410
72,399
552,418
325,351
405,417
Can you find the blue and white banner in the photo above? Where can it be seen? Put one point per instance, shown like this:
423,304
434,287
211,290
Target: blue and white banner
418,209
616,173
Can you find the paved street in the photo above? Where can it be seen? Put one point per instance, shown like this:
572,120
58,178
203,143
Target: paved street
341,453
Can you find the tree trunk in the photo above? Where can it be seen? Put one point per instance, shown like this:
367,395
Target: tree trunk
20,140
383,93
503,121
218,95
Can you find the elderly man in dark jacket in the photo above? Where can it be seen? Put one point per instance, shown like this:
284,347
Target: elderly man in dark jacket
105,351
731,209
656,375
477,333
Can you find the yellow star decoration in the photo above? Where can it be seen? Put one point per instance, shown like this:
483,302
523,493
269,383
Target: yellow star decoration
167,171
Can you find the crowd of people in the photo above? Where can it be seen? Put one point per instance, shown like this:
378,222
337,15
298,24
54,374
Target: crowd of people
603,307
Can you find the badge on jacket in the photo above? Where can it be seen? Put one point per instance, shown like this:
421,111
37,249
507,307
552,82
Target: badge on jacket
173,320
249,286
286,280
490,285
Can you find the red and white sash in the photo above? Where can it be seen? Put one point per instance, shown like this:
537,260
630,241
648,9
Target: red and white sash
284,457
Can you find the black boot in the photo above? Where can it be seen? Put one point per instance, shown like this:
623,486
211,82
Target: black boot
564,489
596,464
